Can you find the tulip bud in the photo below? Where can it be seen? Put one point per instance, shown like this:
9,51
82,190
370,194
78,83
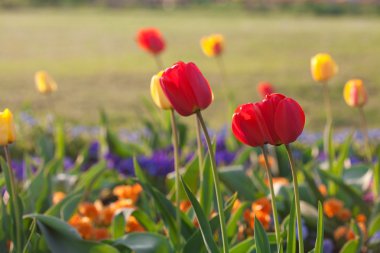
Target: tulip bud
354,93
44,83
186,88
158,95
151,40
265,88
323,67
212,45
7,128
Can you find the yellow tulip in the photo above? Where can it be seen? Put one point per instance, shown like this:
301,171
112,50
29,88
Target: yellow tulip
7,128
323,67
354,93
212,45
44,83
158,95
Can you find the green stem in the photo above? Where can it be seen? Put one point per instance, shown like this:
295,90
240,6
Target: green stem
296,198
176,168
159,62
365,133
32,231
327,102
219,198
13,193
273,197
200,150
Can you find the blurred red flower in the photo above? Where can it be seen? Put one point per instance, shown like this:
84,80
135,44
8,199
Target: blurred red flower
151,40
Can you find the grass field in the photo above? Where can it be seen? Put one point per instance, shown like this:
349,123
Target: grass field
93,56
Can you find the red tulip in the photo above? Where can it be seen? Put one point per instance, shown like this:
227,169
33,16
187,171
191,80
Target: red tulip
186,88
151,40
276,120
265,88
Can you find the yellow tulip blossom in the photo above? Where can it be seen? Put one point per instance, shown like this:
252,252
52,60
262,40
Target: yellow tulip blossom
7,128
212,45
354,93
44,83
323,67
158,95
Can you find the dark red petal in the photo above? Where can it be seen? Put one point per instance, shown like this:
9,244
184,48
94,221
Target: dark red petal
199,86
289,120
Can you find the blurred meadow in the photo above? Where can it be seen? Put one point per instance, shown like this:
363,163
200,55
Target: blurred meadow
93,56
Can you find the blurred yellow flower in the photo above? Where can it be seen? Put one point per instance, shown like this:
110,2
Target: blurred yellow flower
354,93
44,83
323,67
158,94
7,128
212,45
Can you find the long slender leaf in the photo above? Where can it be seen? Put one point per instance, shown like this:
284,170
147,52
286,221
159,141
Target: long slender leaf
145,243
203,221
291,240
319,240
261,238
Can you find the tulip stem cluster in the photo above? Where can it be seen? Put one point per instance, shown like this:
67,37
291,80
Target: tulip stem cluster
176,168
296,198
200,149
15,203
273,197
219,198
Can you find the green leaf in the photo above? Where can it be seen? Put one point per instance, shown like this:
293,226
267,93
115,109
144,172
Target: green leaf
203,221
235,179
118,225
66,207
312,185
319,240
233,222
261,238
62,238
374,225
122,149
207,189
376,176
59,139
88,178
145,243
291,240
350,247
145,220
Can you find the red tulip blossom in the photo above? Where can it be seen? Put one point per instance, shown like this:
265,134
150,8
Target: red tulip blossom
186,88
265,88
275,120
151,40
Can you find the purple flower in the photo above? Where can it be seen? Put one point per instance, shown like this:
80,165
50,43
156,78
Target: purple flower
328,246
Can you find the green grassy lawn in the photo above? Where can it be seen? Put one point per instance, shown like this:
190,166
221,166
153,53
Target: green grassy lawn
93,56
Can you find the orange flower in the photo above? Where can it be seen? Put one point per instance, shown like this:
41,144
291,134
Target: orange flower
261,161
236,206
128,192
185,205
89,210
354,93
58,196
133,225
278,181
264,219
100,234
322,189
344,215
122,203
83,225
343,233
361,218
262,205
332,207
106,215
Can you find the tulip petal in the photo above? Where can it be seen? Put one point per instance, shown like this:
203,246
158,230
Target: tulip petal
289,120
